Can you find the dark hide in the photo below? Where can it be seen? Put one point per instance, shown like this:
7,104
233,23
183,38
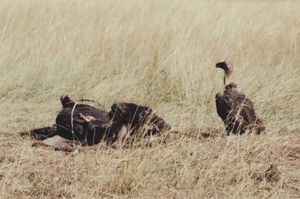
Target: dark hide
129,114
237,111
139,121
71,124
155,125
90,125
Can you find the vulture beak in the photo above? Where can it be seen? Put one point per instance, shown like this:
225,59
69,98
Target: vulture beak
222,65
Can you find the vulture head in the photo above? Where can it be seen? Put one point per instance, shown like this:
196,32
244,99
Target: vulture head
228,69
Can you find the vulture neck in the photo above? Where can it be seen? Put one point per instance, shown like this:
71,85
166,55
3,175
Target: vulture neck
226,79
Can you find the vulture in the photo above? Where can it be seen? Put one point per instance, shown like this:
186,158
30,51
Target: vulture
235,108
89,125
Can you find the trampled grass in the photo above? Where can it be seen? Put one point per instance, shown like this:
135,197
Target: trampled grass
160,54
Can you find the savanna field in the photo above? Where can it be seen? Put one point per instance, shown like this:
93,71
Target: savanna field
161,54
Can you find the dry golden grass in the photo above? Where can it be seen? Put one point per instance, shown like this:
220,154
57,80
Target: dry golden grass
161,54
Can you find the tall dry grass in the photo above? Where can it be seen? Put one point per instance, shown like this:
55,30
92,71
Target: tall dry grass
161,54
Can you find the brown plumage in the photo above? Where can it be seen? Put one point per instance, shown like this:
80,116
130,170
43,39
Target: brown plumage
235,108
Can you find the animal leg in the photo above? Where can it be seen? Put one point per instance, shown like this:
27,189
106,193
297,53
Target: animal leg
59,143
40,133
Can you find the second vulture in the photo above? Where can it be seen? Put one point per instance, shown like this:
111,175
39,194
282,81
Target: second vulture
235,108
